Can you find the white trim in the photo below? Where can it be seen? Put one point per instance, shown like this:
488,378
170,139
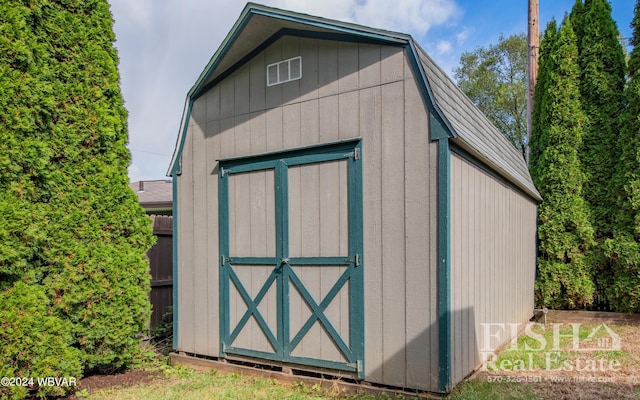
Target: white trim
287,74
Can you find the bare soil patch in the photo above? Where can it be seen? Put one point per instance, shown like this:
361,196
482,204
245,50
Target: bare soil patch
125,379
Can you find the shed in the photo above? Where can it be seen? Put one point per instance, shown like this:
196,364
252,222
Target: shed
342,207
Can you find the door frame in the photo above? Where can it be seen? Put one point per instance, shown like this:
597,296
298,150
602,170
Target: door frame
351,150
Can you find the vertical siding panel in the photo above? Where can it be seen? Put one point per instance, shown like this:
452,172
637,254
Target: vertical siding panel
201,334
457,204
478,270
310,69
481,222
198,111
329,215
310,216
369,60
227,96
416,188
463,272
393,217
213,103
310,204
258,83
186,333
213,256
295,213
297,310
241,90
328,68
370,122
391,64
227,141
328,119
330,190
274,126
494,226
347,67
494,257
258,134
348,116
474,273
309,123
242,135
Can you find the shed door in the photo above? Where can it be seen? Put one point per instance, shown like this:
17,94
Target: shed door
291,245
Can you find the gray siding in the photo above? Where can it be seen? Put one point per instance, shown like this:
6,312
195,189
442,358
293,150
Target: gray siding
493,236
348,90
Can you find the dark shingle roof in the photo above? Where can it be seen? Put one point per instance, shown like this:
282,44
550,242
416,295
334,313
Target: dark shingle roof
474,131
153,194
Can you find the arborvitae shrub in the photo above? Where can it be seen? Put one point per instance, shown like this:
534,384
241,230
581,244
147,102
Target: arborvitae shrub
564,278
35,342
70,227
624,249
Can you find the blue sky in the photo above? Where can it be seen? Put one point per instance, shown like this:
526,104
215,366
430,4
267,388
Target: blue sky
165,44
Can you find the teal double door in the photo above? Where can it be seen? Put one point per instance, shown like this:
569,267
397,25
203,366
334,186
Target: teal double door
291,270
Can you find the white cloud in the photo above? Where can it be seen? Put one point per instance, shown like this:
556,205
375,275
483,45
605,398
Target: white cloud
407,16
444,46
462,36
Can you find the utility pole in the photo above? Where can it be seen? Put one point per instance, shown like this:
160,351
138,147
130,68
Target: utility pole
534,45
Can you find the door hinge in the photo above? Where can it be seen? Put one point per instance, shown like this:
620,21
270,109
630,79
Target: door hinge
357,365
355,260
224,260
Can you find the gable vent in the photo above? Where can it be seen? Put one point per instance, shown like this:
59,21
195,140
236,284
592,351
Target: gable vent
284,71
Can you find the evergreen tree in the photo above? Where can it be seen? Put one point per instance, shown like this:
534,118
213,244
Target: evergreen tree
547,43
70,228
624,249
565,233
577,20
602,79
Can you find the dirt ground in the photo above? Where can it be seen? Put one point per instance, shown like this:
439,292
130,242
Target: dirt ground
620,382
129,378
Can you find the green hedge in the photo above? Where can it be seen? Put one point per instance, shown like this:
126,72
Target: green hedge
73,237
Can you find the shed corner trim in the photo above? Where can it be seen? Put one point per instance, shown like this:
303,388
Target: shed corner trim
174,187
444,260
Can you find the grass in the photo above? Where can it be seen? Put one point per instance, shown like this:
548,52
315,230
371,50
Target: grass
481,389
549,348
183,383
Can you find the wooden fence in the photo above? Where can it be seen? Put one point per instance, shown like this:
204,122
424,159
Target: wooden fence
161,265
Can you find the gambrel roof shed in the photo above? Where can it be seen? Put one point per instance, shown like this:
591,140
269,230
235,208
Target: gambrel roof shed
341,206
